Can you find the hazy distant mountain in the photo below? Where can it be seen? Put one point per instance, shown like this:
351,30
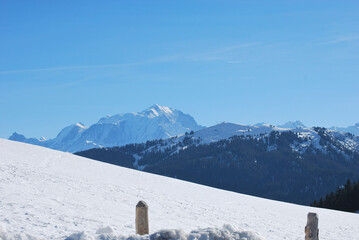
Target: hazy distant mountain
156,122
290,124
351,129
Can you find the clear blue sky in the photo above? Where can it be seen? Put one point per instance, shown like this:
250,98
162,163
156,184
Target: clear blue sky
63,62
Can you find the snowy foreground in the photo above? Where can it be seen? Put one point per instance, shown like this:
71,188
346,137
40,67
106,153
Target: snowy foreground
49,194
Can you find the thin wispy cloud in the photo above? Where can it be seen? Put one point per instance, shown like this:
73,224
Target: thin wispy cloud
69,84
235,47
341,39
219,54
234,62
61,68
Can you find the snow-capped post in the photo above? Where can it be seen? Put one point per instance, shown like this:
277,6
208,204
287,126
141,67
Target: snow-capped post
142,218
311,230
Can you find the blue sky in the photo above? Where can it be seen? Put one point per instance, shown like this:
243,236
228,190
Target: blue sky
63,62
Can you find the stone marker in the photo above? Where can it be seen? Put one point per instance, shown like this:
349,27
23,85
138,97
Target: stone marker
311,230
142,218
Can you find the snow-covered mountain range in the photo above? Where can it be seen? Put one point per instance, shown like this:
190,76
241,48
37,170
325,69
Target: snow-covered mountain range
351,129
310,136
298,124
156,122
48,194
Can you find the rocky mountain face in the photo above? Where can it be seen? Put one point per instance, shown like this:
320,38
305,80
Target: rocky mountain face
156,122
295,165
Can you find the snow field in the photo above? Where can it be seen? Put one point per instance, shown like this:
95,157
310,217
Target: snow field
52,195
107,233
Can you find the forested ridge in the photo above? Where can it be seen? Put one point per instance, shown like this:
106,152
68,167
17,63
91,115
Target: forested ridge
266,165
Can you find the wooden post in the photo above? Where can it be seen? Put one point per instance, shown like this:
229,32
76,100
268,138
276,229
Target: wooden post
311,230
142,218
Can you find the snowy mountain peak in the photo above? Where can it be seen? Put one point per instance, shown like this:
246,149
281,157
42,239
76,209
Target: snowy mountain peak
71,131
155,122
80,125
290,124
152,112
157,110
156,107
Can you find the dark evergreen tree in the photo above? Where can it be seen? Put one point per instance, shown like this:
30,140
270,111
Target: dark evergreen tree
346,198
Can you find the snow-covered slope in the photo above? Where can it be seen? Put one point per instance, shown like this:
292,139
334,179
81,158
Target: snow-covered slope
227,130
156,122
51,194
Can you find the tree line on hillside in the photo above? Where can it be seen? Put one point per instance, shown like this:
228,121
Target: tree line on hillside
345,198
265,165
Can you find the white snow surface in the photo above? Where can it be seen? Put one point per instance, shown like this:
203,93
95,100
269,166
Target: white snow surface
53,195
227,232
